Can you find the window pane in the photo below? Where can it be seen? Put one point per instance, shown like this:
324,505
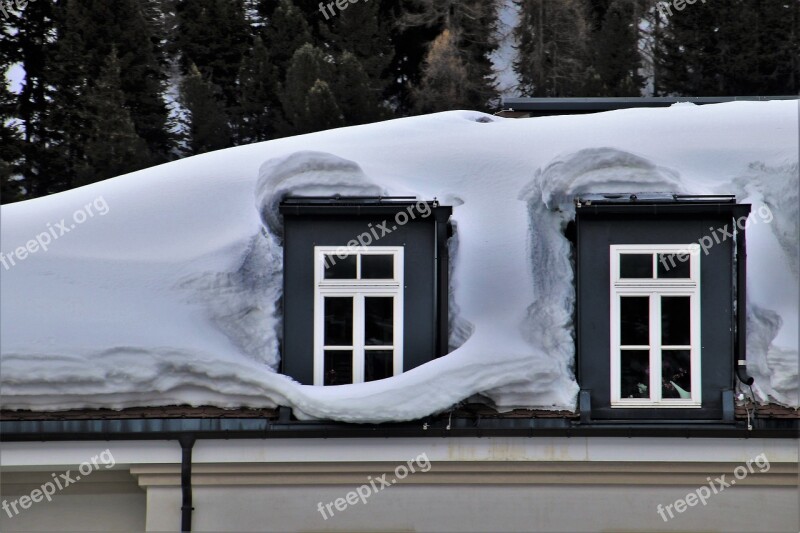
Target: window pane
378,364
635,320
338,367
336,268
377,266
675,315
338,321
635,373
673,266
379,321
676,375
636,265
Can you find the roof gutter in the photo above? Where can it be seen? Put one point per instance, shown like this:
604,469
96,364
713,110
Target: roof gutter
262,428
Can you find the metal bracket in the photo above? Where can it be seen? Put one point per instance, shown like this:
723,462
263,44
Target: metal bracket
585,406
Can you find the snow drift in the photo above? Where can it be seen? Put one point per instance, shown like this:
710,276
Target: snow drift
172,296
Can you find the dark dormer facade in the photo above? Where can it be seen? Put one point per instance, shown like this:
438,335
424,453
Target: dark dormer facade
365,287
660,305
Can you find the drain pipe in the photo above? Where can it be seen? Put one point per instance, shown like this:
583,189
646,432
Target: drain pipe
740,362
187,443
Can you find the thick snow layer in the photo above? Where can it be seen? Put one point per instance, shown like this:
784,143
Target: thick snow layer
168,293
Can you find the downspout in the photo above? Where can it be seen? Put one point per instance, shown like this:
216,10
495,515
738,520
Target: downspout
436,315
187,443
740,355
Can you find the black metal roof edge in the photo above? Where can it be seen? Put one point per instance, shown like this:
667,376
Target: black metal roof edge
260,428
611,103
437,211
641,198
337,198
662,208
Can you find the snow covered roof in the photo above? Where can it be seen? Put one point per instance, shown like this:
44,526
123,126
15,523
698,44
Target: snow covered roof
160,287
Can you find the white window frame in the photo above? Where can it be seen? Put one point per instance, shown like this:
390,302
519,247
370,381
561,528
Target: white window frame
358,289
655,288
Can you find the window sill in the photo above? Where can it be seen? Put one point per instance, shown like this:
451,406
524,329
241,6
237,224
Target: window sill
660,405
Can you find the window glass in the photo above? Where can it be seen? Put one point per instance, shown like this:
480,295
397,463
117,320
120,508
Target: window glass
676,379
635,373
671,266
338,367
336,268
377,266
635,320
636,265
378,321
338,321
675,320
379,364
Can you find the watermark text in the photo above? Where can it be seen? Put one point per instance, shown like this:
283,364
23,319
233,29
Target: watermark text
60,482
665,8
374,485
55,231
718,236
715,486
378,231
7,7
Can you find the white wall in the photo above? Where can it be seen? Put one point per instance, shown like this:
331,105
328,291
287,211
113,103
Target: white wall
487,484
102,501
481,508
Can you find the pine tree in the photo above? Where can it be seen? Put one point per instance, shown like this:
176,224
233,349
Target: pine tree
123,24
411,40
357,99
596,13
552,47
65,123
475,22
143,74
208,127
23,113
213,35
112,145
363,33
303,108
615,51
471,31
286,32
759,48
74,38
162,21
650,30
779,50
321,112
11,187
688,53
259,107
445,78
736,48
